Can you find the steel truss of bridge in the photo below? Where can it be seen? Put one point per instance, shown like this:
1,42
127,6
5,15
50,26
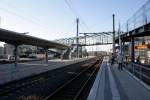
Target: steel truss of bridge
89,39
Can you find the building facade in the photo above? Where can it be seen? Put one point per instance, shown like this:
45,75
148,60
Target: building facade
1,50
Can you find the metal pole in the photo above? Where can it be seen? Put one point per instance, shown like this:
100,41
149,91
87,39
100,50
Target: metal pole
113,35
140,67
85,41
96,51
107,39
144,16
85,38
93,46
77,20
102,39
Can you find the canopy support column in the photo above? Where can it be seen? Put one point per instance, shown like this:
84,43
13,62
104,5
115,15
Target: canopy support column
16,55
46,56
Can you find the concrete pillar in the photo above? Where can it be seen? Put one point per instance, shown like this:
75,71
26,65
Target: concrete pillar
16,55
132,50
46,55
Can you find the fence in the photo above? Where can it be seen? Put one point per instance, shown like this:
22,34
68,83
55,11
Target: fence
140,18
140,71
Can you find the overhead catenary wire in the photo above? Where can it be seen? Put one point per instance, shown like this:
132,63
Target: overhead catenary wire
75,12
81,18
21,11
32,20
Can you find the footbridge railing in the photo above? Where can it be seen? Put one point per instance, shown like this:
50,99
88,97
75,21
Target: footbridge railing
139,19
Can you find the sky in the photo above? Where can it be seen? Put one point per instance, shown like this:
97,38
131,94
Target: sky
54,19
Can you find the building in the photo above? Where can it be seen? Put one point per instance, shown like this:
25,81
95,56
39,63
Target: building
27,50
141,50
8,49
1,50
23,50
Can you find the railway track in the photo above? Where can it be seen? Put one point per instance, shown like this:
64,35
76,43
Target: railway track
73,88
40,84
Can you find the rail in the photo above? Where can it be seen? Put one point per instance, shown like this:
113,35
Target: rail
16,88
73,88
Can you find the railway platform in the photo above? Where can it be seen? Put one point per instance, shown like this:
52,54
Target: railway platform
112,84
8,72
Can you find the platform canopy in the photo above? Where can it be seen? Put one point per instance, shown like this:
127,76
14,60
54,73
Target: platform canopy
17,38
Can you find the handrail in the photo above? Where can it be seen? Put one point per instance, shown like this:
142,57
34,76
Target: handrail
142,66
139,69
